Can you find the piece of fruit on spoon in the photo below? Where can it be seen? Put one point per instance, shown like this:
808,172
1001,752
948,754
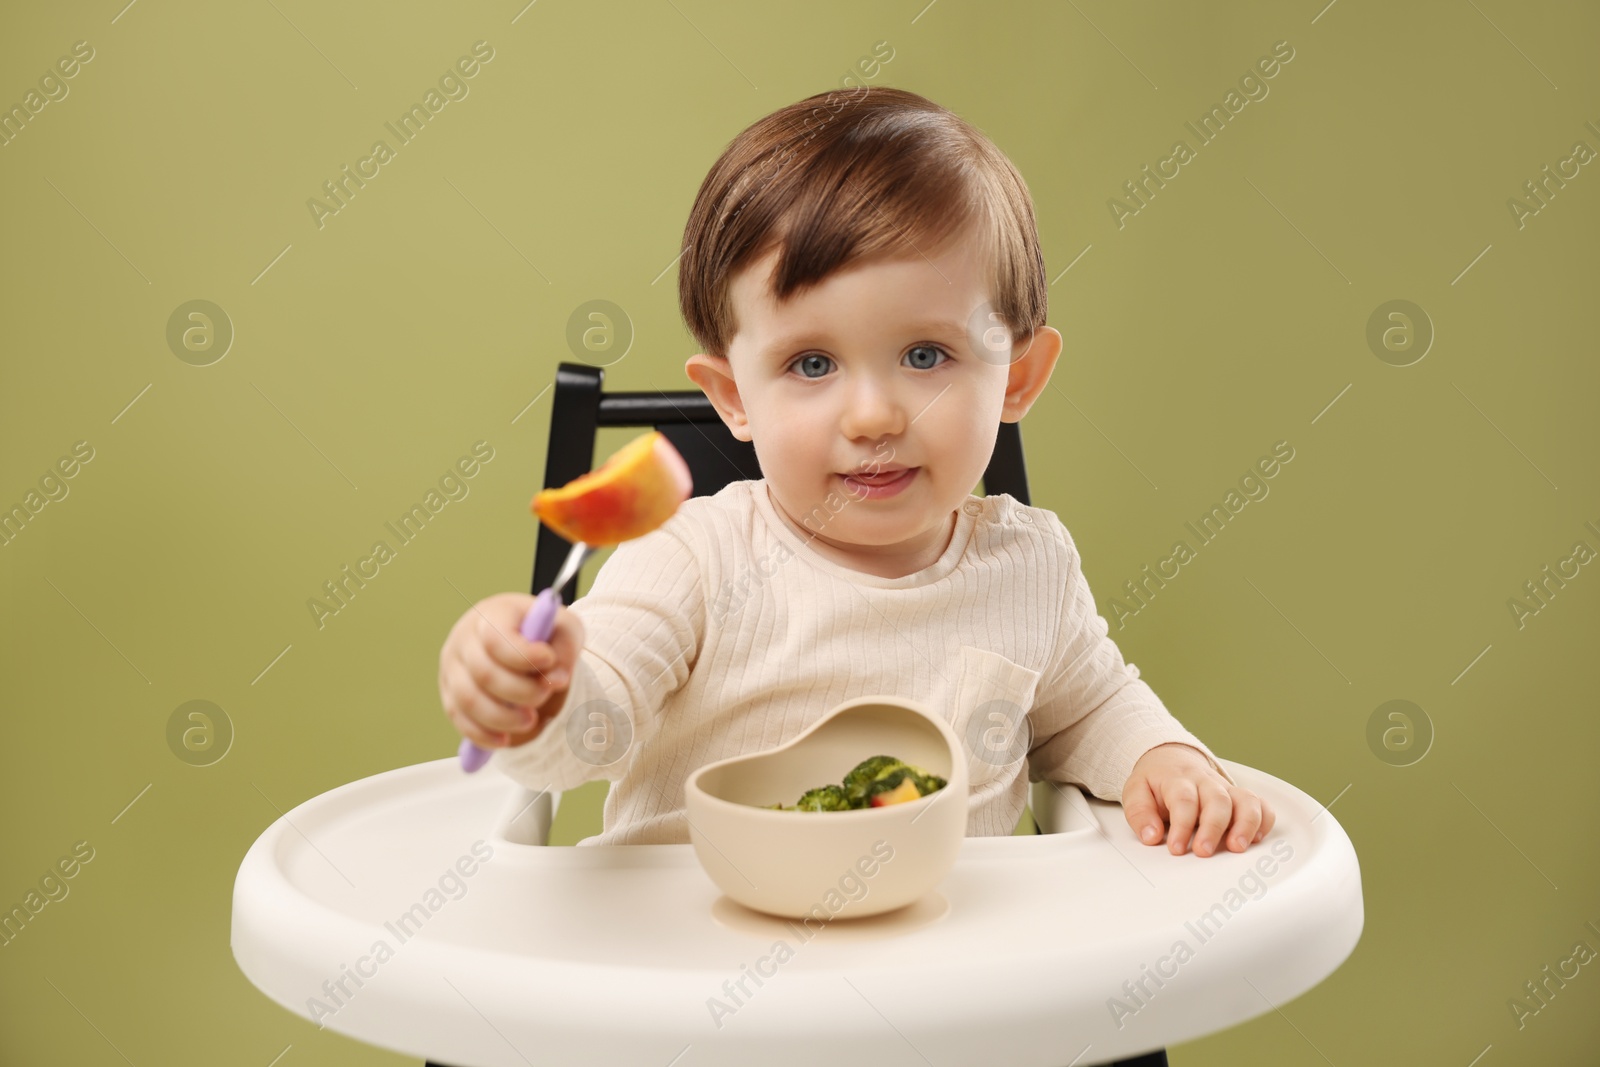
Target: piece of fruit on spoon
627,496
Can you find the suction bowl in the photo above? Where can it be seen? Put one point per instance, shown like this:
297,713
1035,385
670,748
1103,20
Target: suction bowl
831,864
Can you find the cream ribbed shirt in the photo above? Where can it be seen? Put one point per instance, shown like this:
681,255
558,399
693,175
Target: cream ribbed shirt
723,633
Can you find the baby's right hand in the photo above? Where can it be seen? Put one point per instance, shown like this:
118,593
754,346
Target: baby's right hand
497,687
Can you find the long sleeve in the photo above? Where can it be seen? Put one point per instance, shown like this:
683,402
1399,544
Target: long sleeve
1094,716
644,623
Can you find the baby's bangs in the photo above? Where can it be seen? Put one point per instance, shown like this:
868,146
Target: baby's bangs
860,202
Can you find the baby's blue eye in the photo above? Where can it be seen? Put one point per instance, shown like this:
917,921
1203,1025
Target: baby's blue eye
931,351
804,360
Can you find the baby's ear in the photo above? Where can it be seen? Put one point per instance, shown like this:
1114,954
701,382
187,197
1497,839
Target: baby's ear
714,376
1032,361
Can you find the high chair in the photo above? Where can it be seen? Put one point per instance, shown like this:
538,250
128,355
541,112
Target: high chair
374,911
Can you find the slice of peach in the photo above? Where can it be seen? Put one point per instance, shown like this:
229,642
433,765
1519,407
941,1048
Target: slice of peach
627,496
906,790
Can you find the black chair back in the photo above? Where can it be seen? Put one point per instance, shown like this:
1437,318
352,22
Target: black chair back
715,457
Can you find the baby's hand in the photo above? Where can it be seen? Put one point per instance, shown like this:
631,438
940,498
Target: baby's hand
498,688
1175,780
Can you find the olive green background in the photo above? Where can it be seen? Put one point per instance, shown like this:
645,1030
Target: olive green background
369,354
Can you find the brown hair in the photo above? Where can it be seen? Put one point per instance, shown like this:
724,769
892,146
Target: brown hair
847,175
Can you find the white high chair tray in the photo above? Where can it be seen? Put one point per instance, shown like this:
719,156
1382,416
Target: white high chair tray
619,954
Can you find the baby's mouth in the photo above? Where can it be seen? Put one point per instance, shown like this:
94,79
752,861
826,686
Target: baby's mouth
884,477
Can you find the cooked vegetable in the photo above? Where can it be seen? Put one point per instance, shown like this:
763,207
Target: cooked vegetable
873,783
824,798
858,783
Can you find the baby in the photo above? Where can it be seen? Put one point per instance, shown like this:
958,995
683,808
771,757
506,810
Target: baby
863,271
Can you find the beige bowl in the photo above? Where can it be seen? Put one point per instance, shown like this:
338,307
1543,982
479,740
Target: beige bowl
831,864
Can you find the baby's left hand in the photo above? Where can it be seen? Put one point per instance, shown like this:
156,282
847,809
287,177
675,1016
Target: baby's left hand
1175,782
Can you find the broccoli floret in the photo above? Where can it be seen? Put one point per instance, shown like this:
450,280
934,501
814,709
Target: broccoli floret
824,798
925,783
867,779
860,779
889,781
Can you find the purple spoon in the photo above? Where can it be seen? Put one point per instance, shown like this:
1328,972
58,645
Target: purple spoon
536,626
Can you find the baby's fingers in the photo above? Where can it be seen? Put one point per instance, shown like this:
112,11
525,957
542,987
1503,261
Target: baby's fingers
1268,818
470,728
502,687
1183,804
477,708
501,639
1216,811
1140,809
1246,819
548,661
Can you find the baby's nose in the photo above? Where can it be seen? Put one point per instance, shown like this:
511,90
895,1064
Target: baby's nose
874,410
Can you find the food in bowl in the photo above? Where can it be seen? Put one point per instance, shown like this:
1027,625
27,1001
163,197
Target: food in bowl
783,864
873,783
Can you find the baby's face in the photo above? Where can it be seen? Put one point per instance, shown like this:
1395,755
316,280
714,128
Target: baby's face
877,369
